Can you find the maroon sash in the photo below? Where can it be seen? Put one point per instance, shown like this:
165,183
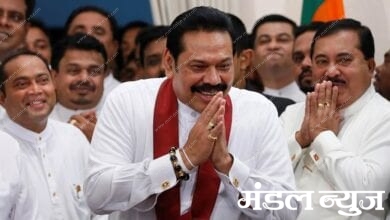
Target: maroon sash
165,136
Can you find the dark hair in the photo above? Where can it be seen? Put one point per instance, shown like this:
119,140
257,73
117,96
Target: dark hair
40,25
146,36
78,41
240,41
133,25
366,40
197,19
30,5
268,19
12,55
313,26
90,8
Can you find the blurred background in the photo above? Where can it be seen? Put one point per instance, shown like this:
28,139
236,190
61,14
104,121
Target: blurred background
374,14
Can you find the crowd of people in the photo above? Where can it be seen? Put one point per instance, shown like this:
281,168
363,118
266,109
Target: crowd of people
182,121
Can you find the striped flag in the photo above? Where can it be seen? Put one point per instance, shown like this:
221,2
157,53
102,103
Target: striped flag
322,10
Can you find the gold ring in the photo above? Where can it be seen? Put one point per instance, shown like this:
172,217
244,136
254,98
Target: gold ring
72,122
211,137
320,105
210,126
326,104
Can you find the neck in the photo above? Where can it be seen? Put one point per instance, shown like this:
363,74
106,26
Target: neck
276,78
37,126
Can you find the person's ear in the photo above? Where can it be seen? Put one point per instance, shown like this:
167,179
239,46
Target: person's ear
246,59
371,65
168,63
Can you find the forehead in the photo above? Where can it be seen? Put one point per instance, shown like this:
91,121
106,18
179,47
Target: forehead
36,32
25,65
82,56
304,40
204,45
344,41
13,5
157,45
274,28
89,19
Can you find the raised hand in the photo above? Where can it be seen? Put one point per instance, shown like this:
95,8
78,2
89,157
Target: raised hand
206,131
323,111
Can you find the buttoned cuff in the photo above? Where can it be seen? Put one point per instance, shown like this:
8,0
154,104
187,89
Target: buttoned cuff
294,148
238,174
323,144
162,174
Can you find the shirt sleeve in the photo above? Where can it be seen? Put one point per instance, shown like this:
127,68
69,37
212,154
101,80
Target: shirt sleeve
16,199
349,169
271,167
116,181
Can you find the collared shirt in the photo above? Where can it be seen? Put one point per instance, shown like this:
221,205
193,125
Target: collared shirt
55,161
124,176
16,201
63,114
354,159
291,91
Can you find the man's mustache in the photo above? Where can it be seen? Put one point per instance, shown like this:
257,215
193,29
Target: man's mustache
209,88
82,85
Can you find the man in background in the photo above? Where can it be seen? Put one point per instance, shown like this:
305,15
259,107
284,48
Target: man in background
79,67
301,55
273,40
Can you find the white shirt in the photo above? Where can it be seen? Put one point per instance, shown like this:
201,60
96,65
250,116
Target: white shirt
110,83
356,159
63,114
55,161
124,176
16,201
2,112
291,91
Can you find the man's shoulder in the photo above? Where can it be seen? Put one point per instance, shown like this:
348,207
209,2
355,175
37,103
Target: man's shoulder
379,106
65,130
138,87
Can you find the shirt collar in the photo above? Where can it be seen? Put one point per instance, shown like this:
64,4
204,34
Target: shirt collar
25,134
287,90
66,113
359,103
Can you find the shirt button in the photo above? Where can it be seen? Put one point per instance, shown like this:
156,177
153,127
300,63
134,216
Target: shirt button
54,194
316,157
40,138
235,182
49,175
165,185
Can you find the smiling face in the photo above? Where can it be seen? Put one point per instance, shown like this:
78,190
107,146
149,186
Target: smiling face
204,67
12,28
79,80
337,58
29,92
